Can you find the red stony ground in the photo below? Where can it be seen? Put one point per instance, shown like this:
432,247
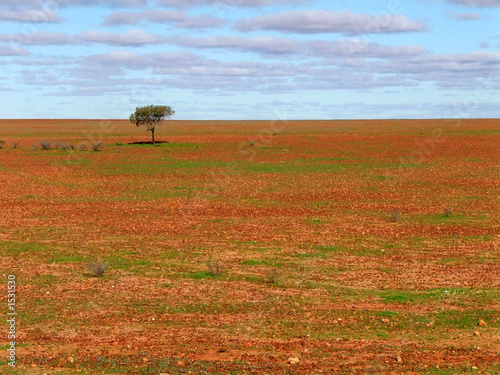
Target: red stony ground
383,237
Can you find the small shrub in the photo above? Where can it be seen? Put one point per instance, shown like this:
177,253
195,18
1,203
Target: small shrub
64,146
448,212
251,142
2,143
272,276
46,145
97,268
15,144
96,146
35,147
215,267
395,216
82,147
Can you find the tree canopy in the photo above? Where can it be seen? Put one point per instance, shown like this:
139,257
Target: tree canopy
150,116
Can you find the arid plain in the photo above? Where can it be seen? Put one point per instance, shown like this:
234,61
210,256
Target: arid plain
253,247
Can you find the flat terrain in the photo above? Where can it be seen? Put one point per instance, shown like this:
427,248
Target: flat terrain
354,247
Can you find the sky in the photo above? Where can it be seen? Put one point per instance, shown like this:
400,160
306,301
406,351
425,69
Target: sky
250,59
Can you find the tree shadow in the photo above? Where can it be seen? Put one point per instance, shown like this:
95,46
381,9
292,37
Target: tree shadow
147,142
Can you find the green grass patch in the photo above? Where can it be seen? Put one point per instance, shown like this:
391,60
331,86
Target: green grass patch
66,258
386,314
313,221
13,248
199,275
128,262
452,219
459,296
174,145
467,319
43,280
295,166
166,166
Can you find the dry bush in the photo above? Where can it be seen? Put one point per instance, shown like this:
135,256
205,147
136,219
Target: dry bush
96,146
2,143
97,268
395,216
448,212
272,276
215,267
64,146
15,144
82,147
46,145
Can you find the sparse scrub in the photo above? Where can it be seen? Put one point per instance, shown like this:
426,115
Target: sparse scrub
448,212
82,147
97,146
46,145
215,267
2,143
395,216
35,147
272,276
15,144
97,268
64,146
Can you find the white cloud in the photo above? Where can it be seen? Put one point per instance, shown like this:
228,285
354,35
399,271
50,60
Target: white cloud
325,21
133,38
471,71
477,3
135,61
29,15
167,3
129,38
230,3
467,16
348,48
40,38
262,45
356,48
57,3
191,71
133,18
12,51
178,19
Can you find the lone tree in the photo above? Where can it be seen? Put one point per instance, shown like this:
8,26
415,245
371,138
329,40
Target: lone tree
151,116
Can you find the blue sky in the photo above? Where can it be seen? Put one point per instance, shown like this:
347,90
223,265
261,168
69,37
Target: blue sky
251,59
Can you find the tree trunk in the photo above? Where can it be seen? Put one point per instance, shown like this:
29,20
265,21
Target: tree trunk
153,134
